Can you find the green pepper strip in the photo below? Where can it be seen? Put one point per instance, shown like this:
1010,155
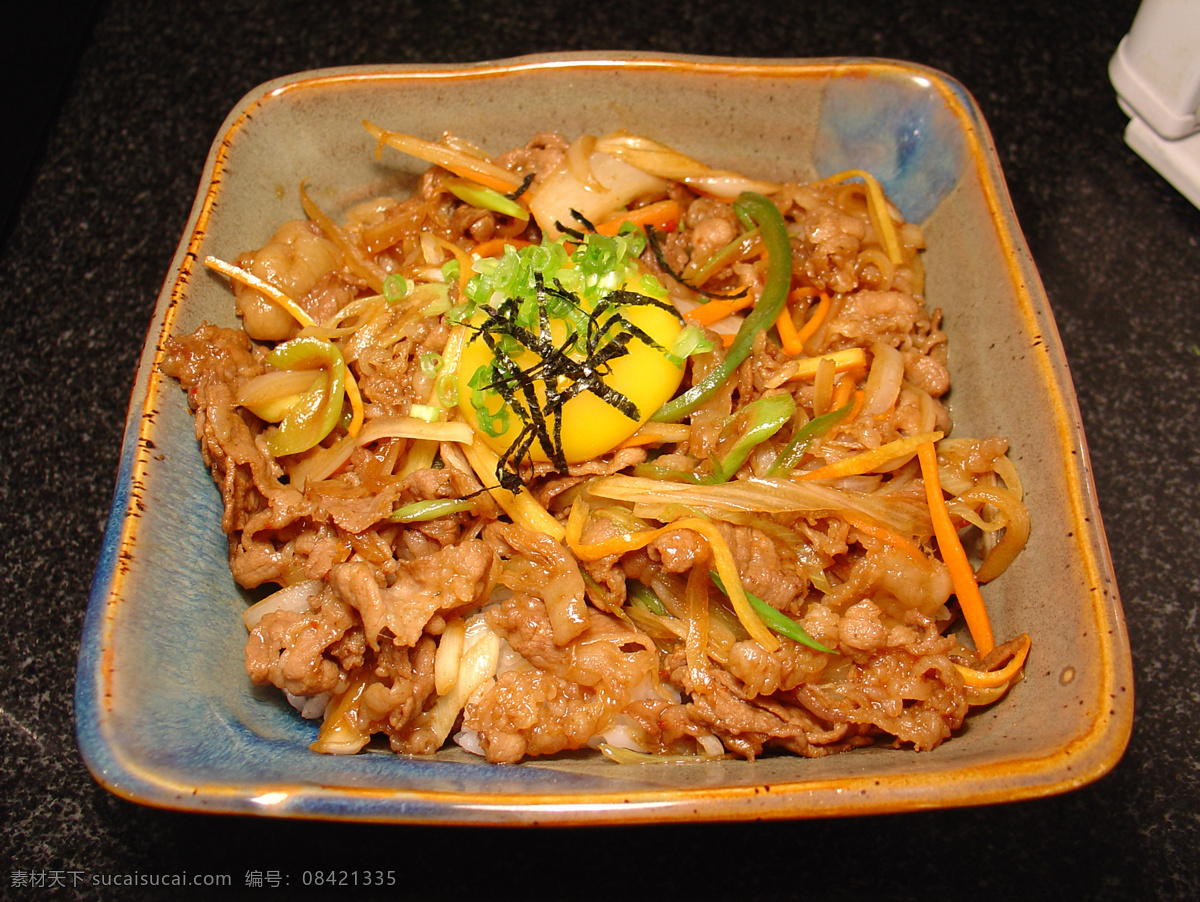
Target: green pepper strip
790,456
317,412
774,295
766,416
776,620
485,198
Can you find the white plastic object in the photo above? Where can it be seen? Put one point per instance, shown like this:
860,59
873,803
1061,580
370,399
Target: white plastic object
1156,73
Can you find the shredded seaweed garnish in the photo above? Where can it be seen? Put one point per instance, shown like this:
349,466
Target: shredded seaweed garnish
522,188
574,233
656,247
582,220
604,337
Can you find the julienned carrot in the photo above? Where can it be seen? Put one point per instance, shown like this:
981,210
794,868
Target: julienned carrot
262,286
662,214
953,555
993,679
788,338
791,340
354,396
881,533
814,322
493,247
869,461
464,261
719,308
859,398
843,361
841,394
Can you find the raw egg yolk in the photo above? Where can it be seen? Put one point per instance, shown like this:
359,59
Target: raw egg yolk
590,425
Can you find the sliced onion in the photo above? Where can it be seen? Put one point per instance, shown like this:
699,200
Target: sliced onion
448,656
666,162
884,379
295,598
906,515
578,161
477,666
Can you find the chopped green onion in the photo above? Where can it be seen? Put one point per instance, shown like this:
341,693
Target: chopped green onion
776,620
492,424
395,287
485,198
430,364
424,412
691,340
431,510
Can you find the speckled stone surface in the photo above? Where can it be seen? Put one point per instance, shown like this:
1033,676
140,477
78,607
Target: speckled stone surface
1119,252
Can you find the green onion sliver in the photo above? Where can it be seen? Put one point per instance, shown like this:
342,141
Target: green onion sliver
777,621
430,510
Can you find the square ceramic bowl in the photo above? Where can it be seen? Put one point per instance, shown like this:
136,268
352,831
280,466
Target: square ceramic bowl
165,713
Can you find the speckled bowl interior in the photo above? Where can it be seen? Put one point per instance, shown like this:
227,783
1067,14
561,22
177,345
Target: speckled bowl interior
165,713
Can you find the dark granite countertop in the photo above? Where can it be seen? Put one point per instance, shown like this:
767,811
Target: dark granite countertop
91,239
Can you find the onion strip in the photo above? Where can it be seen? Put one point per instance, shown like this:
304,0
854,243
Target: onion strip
877,209
770,496
452,159
263,287
992,679
869,461
521,506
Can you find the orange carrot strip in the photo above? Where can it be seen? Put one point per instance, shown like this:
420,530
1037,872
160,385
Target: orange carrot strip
843,361
890,537
841,395
653,433
953,555
991,679
462,164
814,322
717,309
354,396
247,278
662,214
868,461
788,338
465,262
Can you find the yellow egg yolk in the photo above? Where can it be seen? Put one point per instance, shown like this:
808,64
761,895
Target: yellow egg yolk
591,426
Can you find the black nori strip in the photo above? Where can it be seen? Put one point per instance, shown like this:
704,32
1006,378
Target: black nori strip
515,385
582,220
524,186
567,230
